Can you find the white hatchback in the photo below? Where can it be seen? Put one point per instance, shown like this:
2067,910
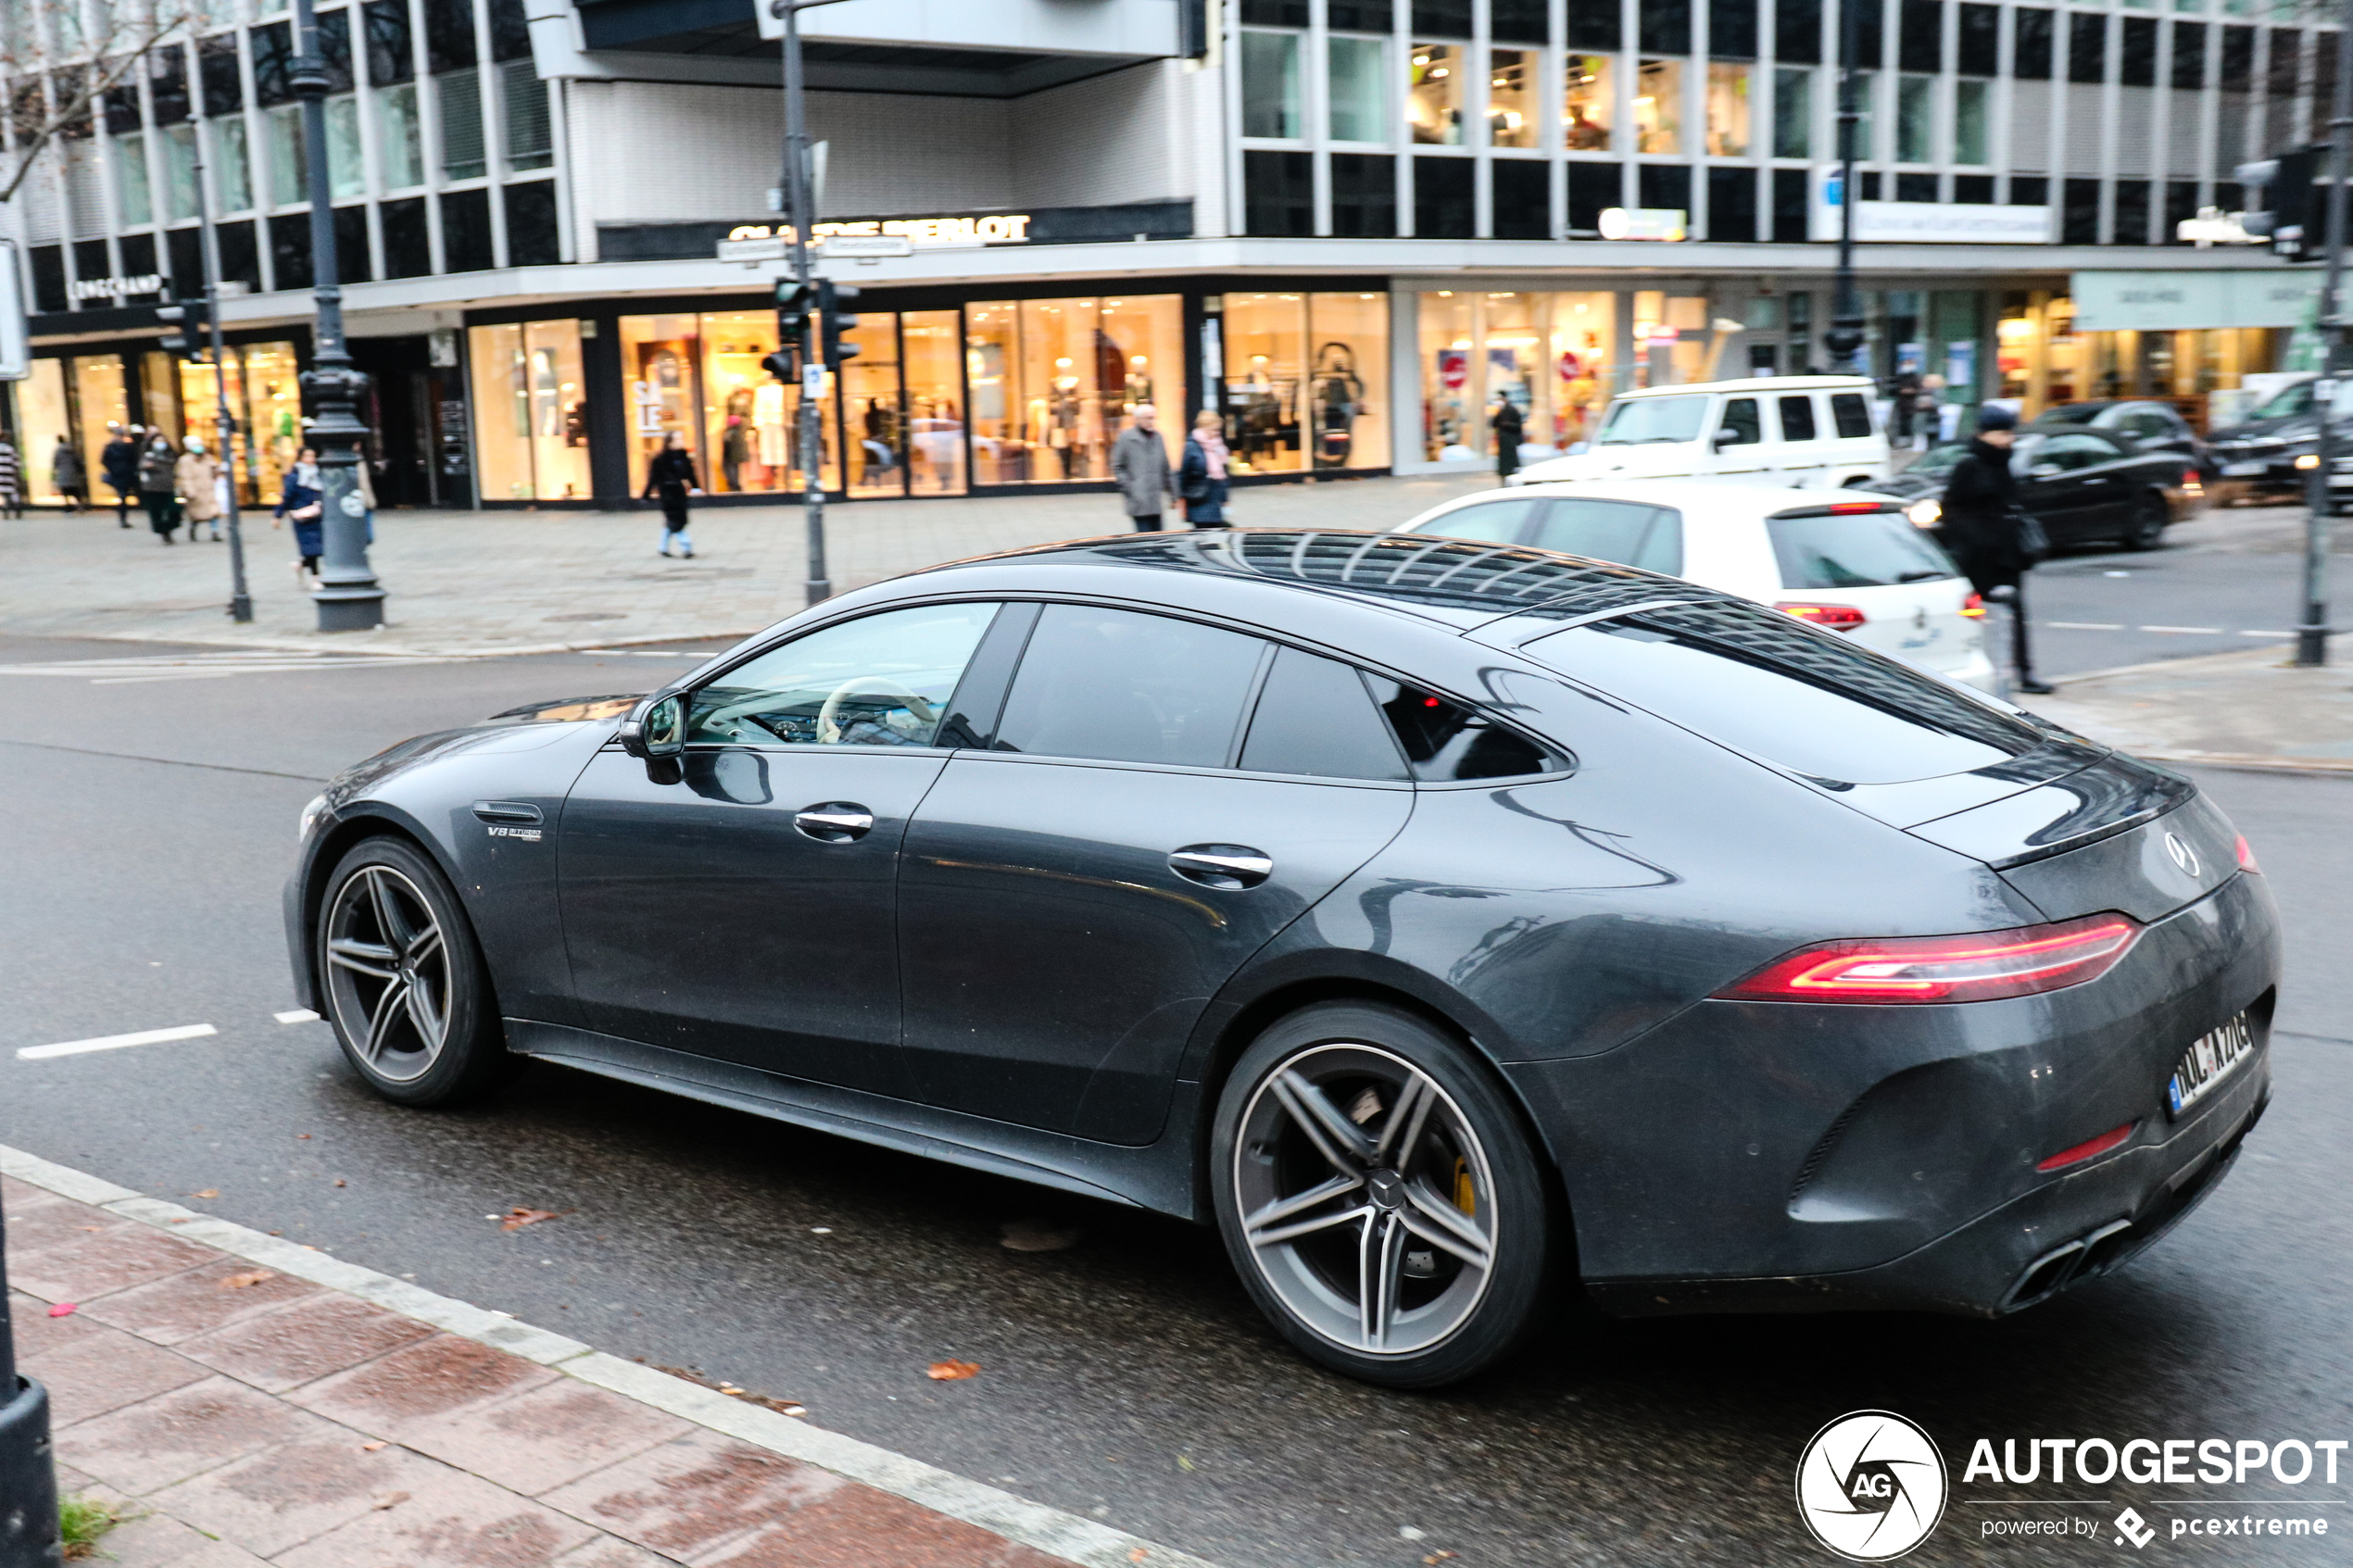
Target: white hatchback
1850,561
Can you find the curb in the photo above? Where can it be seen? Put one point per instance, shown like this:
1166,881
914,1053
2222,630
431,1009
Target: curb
359,645
1037,1526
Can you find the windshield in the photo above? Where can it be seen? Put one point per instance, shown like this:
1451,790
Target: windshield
1938,459
2297,399
1640,420
1860,550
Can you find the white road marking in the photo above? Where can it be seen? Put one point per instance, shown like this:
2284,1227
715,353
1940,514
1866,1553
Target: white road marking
2086,625
2267,633
2187,631
115,1042
206,666
299,1015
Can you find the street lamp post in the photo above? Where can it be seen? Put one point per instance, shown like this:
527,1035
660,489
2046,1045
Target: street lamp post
225,423
2313,630
28,1472
1844,340
800,212
349,596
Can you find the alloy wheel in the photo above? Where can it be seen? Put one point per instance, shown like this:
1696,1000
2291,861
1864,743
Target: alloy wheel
1366,1201
388,975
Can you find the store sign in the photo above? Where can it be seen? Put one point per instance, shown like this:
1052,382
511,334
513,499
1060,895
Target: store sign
2108,301
1642,223
115,288
920,233
1949,223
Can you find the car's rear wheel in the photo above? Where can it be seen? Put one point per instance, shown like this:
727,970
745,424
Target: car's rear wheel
404,981
1380,1197
2145,529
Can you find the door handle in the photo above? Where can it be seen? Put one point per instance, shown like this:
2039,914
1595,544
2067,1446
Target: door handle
505,811
836,821
1226,866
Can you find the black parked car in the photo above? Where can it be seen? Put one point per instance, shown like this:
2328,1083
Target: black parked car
2145,423
1441,920
2088,487
2257,455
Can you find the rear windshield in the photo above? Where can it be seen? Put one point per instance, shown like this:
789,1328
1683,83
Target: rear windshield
1640,420
1777,689
1863,550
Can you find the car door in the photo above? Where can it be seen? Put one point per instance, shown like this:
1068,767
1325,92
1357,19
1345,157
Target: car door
1800,454
2050,480
1739,438
1072,898
739,901
2100,474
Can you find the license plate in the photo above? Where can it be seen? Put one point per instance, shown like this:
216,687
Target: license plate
2209,1060
2242,470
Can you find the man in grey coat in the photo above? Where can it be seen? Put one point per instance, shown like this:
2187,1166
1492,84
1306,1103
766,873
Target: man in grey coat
1140,461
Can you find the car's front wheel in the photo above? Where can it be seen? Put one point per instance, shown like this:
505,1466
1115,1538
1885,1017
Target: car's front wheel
2144,530
1380,1196
404,981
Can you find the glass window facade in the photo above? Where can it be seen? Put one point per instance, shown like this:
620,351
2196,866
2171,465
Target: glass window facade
1658,107
400,141
1512,119
1359,88
1727,109
1052,381
43,415
1591,105
1547,353
232,167
101,396
1305,381
531,412
131,179
1793,113
1434,100
1270,85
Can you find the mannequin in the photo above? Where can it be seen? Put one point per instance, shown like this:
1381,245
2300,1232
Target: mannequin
771,419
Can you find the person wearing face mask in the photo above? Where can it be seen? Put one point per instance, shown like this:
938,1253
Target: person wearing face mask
159,486
302,503
198,477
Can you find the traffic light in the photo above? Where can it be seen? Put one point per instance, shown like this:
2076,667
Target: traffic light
190,320
831,297
2287,214
794,301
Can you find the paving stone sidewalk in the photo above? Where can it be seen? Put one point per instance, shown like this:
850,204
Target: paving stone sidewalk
244,1401
512,581
2251,708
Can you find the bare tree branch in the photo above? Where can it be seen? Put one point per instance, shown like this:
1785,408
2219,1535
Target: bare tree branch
124,44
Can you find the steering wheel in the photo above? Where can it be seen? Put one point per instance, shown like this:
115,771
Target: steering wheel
829,716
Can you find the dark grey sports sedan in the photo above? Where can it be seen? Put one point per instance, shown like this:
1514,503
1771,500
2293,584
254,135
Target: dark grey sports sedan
1448,922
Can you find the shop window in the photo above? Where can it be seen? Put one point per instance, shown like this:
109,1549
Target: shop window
1441,19
1545,354
460,96
1731,30
2087,46
1592,189
1511,98
1915,118
1270,85
290,251
201,409
160,398
465,232
530,140
1658,107
1434,101
1449,415
130,180
1972,116
347,176
1359,83
2030,50
1593,27
390,45
1791,217
1665,26
1054,380
1278,193
1728,111
746,415
1980,40
531,224
1794,113
1521,193
1363,195
1518,21
531,412
1588,111
42,423
1443,202
1797,30
353,264
658,361
1732,203
289,157
1347,407
1266,366
875,426
408,244
101,397
400,144
1920,39
219,76
932,373
233,165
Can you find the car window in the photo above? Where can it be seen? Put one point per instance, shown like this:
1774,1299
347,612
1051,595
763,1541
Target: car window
1623,531
1501,521
1939,459
1635,420
1850,414
881,680
1742,425
1118,686
1797,418
1315,717
2073,450
2297,399
1444,742
2147,423
1861,550
1773,688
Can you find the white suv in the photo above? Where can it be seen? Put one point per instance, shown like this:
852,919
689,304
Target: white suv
1817,432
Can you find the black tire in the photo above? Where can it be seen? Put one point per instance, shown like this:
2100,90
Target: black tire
402,980
2144,528
1440,1317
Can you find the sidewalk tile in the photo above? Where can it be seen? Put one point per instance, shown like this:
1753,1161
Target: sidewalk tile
145,1447
433,1378
37,1332
305,1342
544,1436
451,1521
283,1496
88,1265
860,1527
606,1551
106,1370
55,1224
151,1540
188,1304
18,1198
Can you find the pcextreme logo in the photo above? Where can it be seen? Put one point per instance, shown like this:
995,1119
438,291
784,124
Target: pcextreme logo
1872,1485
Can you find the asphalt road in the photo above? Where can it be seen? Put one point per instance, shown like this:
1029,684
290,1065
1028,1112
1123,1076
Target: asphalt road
147,824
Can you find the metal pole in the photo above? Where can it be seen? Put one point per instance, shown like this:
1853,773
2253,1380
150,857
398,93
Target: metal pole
28,1470
1844,340
799,204
2312,631
349,596
225,423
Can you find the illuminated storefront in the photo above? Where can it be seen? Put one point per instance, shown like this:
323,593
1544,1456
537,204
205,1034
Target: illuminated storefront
1546,353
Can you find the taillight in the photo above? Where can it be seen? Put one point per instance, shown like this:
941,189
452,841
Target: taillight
2189,479
1974,607
2246,857
1837,618
1848,508
1978,967
2090,1149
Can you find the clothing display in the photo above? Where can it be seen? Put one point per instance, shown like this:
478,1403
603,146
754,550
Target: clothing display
773,419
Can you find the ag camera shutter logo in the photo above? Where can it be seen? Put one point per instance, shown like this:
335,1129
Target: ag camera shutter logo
1872,1485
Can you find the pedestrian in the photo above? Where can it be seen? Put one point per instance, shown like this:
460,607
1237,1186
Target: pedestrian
1140,462
68,476
119,461
671,476
198,477
1508,428
300,503
1992,538
11,480
159,483
1200,474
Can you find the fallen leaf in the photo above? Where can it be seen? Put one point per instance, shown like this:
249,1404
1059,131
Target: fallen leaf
765,1401
950,1372
338,1181
1435,1558
63,1309
304,1135
1037,1236
1138,1555
238,1282
90,1227
397,1498
371,1448
1184,1464
208,1192
519,1217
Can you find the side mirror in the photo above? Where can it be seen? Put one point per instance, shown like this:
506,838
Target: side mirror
656,728
1726,437
2045,470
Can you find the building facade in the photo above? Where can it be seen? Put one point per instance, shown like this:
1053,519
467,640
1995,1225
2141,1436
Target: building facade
1353,228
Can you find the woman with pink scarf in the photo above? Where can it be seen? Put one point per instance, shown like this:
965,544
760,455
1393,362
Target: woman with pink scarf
1200,478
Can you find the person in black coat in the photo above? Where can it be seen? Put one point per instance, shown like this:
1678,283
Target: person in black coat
1985,529
1508,428
671,477
119,461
